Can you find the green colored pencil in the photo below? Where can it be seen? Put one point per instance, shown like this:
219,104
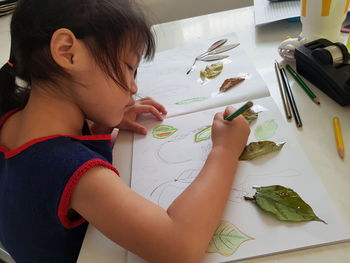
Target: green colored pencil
303,85
242,109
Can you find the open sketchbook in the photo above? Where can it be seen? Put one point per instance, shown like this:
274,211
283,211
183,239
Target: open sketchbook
163,167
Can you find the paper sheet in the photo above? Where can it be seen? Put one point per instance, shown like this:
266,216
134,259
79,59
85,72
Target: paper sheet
165,79
266,11
163,168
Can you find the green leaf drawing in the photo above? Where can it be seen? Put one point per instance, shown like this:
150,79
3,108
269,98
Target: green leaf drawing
257,149
203,135
192,100
266,130
226,239
250,115
163,131
284,203
212,71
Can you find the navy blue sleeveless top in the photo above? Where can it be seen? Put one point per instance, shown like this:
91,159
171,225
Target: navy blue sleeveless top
36,182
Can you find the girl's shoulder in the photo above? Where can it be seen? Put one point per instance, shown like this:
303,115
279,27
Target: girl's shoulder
61,146
54,145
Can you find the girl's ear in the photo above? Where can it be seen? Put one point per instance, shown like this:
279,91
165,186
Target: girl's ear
63,47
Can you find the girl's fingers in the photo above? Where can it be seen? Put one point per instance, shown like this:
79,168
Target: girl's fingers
149,109
229,110
218,116
132,125
138,128
151,102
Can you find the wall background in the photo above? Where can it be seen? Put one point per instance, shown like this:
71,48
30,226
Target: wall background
169,10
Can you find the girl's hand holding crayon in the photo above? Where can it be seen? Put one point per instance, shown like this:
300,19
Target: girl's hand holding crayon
230,136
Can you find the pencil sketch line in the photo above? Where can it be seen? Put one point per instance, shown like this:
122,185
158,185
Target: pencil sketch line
155,189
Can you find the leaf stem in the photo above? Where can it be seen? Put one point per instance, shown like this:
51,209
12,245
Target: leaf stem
249,198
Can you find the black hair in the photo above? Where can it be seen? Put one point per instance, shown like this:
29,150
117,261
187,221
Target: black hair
105,26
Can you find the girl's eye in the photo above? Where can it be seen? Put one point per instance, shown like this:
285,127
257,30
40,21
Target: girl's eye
132,69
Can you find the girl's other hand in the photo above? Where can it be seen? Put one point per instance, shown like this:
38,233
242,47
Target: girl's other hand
230,136
141,106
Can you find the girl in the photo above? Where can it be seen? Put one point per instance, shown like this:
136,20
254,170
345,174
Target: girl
79,60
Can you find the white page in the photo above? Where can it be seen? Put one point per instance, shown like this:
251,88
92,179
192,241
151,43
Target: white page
165,79
266,11
162,168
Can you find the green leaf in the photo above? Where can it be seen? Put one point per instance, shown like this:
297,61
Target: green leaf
163,131
257,149
250,115
212,71
226,239
284,203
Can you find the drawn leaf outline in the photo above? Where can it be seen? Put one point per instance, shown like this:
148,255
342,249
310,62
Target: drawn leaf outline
226,239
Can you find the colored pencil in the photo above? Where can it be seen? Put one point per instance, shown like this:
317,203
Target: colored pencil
302,84
242,109
291,98
338,137
283,95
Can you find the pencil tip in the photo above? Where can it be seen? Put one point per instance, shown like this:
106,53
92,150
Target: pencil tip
316,100
341,153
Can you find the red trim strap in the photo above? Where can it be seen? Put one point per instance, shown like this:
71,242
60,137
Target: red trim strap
10,153
7,115
63,206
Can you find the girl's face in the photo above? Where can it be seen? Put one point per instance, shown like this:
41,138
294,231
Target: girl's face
100,98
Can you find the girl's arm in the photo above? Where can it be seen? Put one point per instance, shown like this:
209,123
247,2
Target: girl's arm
180,234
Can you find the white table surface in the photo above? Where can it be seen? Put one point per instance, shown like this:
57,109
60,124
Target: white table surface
316,137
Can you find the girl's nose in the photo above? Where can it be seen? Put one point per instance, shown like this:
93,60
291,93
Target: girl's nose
133,87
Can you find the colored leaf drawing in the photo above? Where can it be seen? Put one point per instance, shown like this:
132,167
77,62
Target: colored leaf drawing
226,239
284,203
257,149
266,130
212,71
163,131
203,135
192,100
